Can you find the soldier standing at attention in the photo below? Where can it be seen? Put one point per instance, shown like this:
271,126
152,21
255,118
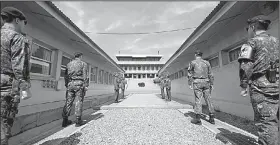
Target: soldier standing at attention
161,79
200,79
168,87
15,62
123,83
258,77
76,84
116,86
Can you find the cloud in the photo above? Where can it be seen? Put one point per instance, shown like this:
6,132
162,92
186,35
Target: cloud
76,6
114,25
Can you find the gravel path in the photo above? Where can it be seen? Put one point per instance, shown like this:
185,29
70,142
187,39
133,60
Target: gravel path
142,126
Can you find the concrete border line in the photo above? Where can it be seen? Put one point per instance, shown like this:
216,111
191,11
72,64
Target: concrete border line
78,128
221,136
243,131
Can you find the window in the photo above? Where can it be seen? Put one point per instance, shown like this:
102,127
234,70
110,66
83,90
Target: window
110,78
139,67
125,68
234,54
100,77
40,59
176,75
214,61
106,78
93,74
181,73
65,60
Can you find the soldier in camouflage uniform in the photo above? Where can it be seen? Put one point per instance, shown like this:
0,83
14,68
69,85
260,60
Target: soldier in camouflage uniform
122,86
161,78
258,77
200,79
15,67
167,85
116,86
77,84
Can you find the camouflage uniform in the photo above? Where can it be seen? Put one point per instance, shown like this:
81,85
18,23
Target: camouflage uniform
167,84
201,78
162,87
255,58
116,86
75,81
15,64
122,86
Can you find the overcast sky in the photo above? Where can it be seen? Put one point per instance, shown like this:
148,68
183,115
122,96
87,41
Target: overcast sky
139,17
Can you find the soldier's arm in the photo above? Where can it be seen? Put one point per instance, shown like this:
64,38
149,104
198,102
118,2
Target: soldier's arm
246,63
190,73
19,61
66,77
210,74
85,75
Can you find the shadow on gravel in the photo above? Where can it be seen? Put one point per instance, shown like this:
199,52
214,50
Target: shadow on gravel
236,138
71,140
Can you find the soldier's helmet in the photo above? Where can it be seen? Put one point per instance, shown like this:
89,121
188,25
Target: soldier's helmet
78,54
260,18
198,52
14,12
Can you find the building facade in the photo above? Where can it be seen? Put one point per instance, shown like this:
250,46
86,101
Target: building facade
220,37
140,66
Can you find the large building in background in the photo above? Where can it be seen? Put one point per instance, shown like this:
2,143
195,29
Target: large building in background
140,66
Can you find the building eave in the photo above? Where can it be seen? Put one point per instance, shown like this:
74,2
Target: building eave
55,12
199,29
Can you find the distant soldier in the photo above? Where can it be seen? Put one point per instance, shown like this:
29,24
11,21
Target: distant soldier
76,82
123,86
15,67
200,79
116,86
161,78
167,85
259,67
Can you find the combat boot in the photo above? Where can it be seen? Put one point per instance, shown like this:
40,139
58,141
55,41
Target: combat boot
79,122
211,119
196,119
66,122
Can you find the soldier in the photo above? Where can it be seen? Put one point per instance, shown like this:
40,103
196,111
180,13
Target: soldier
258,77
15,67
161,79
116,86
122,86
200,79
76,82
167,85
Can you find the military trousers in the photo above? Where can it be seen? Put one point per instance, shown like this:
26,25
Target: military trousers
168,94
122,94
266,116
162,93
202,90
74,89
9,108
117,91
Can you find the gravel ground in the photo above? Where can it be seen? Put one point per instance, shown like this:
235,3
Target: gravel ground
143,126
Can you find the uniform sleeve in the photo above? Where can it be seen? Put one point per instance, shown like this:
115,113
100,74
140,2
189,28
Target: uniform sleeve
190,73
210,74
19,60
246,65
66,77
85,75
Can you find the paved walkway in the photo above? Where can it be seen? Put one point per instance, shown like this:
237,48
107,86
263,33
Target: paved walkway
138,119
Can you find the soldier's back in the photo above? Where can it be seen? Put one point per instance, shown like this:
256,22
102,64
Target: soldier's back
200,68
75,69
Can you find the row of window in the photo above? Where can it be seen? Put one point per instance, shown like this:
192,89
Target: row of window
138,59
41,63
143,67
233,55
